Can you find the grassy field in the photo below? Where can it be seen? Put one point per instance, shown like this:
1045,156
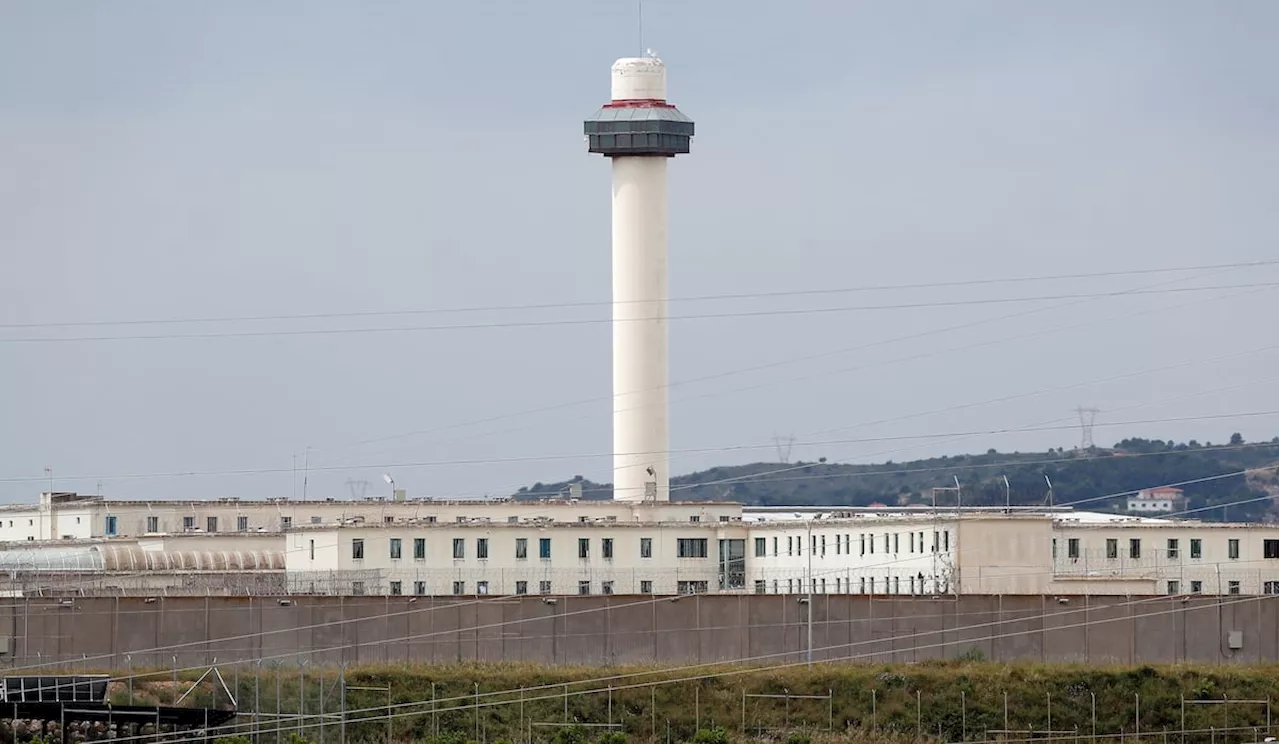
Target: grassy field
953,701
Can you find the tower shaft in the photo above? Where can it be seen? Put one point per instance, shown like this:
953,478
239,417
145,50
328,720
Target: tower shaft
640,346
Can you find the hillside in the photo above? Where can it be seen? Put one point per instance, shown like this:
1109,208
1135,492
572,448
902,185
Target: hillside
1076,475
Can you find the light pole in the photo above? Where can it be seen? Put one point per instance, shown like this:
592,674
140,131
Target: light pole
390,482
809,598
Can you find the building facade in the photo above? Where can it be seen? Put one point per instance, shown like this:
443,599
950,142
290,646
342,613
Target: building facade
567,546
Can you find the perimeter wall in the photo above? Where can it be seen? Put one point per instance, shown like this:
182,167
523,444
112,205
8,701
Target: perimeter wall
122,632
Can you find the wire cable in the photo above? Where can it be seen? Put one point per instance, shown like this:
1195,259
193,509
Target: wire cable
599,303
597,321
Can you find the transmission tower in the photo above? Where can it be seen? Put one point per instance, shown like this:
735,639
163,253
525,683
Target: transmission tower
784,445
359,489
1087,416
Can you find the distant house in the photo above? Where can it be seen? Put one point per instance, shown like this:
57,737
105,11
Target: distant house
1162,500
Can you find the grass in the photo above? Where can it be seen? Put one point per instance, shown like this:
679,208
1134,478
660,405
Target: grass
952,700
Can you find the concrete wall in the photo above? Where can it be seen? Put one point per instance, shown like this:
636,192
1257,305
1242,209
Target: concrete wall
98,633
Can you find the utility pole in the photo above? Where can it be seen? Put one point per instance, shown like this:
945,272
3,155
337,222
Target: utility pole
1087,417
809,597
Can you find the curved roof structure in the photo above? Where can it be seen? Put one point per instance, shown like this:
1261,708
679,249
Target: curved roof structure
108,557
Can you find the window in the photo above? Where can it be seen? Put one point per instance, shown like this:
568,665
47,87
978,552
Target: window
211,524
1171,587
459,587
419,588
153,524
357,588
1271,587
761,587
823,584
544,548
886,542
1196,550
775,546
459,548
1233,549
522,548
1073,547
862,544
1271,548
189,523
584,587
285,522
482,548
823,549
522,587
584,547
1053,548
242,524
357,549
1113,548
1233,587
646,547
895,542
911,542
111,525
946,541
1171,550
646,587
1135,548
838,549
1197,587
695,518
311,547
862,585
606,548
691,547
760,547
544,587
789,545
691,587
317,520
396,588
606,587
388,519
396,549
482,587
419,548
896,586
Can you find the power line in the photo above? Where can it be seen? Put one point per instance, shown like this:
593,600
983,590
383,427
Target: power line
596,321
809,357
599,303
586,455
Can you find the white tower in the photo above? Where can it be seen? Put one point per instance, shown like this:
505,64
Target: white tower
638,130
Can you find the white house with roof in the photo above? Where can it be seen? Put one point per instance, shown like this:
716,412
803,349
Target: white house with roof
1162,500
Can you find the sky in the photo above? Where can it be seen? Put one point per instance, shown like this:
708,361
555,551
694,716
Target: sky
203,163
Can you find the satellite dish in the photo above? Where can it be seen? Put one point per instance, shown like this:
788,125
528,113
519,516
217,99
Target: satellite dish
387,477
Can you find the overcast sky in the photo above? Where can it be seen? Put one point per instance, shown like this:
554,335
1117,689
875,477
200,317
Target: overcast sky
176,161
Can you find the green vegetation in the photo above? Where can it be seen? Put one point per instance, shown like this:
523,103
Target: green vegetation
1076,475
947,700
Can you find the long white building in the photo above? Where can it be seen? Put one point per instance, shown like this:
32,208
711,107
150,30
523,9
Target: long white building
569,546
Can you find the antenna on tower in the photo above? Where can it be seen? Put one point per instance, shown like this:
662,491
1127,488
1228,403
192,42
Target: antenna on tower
1087,417
640,24
784,445
359,489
